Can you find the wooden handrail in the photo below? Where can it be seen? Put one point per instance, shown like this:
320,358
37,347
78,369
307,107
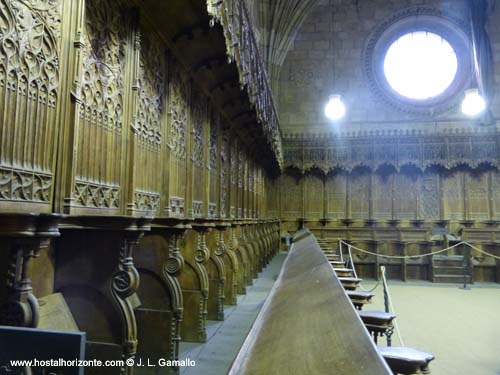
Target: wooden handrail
307,324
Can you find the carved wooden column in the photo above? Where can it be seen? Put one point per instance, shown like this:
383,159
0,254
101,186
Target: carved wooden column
194,282
23,236
401,251
216,271
236,228
202,227
247,254
253,248
97,276
159,317
232,267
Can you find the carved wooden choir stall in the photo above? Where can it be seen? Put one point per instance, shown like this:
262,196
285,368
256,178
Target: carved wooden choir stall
133,155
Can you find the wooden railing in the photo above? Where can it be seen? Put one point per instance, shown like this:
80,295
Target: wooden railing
308,325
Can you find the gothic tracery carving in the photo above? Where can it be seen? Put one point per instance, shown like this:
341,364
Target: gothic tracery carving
151,82
29,82
178,115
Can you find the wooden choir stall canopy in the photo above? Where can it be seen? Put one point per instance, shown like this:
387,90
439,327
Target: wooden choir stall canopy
307,324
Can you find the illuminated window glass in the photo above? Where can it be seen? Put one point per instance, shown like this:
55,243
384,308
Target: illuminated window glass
420,65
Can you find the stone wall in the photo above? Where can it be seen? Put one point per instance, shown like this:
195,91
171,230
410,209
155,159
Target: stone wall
328,57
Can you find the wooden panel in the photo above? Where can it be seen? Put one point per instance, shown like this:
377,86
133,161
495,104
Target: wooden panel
429,196
29,96
148,127
199,125
101,131
453,195
179,91
359,194
495,194
224,172
382,190
476,185
292,196
313,197
213,205
336,192
405,196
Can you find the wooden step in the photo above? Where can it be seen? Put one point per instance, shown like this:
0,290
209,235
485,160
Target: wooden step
406,361
350,283
448,270
445,261
343,272
337,263
360,298
332,257
451,279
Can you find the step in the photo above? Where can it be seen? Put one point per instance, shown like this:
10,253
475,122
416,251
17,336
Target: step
337,263
448,263
451,279
452,260
344,272
448,257
349,283
359,298
448,270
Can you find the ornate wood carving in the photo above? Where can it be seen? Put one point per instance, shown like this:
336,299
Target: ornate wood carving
398,149
243,49
100,130
149,101
29,92
201,258
178,108
171,269
124,283
27,236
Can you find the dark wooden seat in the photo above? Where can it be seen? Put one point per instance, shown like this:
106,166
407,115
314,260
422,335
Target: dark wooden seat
359,298
378,323
406,361
350,283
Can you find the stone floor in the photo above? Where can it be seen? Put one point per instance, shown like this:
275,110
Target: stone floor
460,327
224,339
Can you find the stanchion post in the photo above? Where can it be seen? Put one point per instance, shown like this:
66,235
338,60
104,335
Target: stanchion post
465,266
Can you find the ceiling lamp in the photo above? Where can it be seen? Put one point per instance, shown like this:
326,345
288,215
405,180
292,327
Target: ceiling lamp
473,103
335,108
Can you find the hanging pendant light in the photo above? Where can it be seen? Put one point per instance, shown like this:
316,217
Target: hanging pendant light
335,108
473,103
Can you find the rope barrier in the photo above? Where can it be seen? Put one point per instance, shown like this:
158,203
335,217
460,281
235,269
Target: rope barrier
350,264
420,255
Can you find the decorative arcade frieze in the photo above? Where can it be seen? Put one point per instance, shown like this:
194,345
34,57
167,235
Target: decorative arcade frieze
397,149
